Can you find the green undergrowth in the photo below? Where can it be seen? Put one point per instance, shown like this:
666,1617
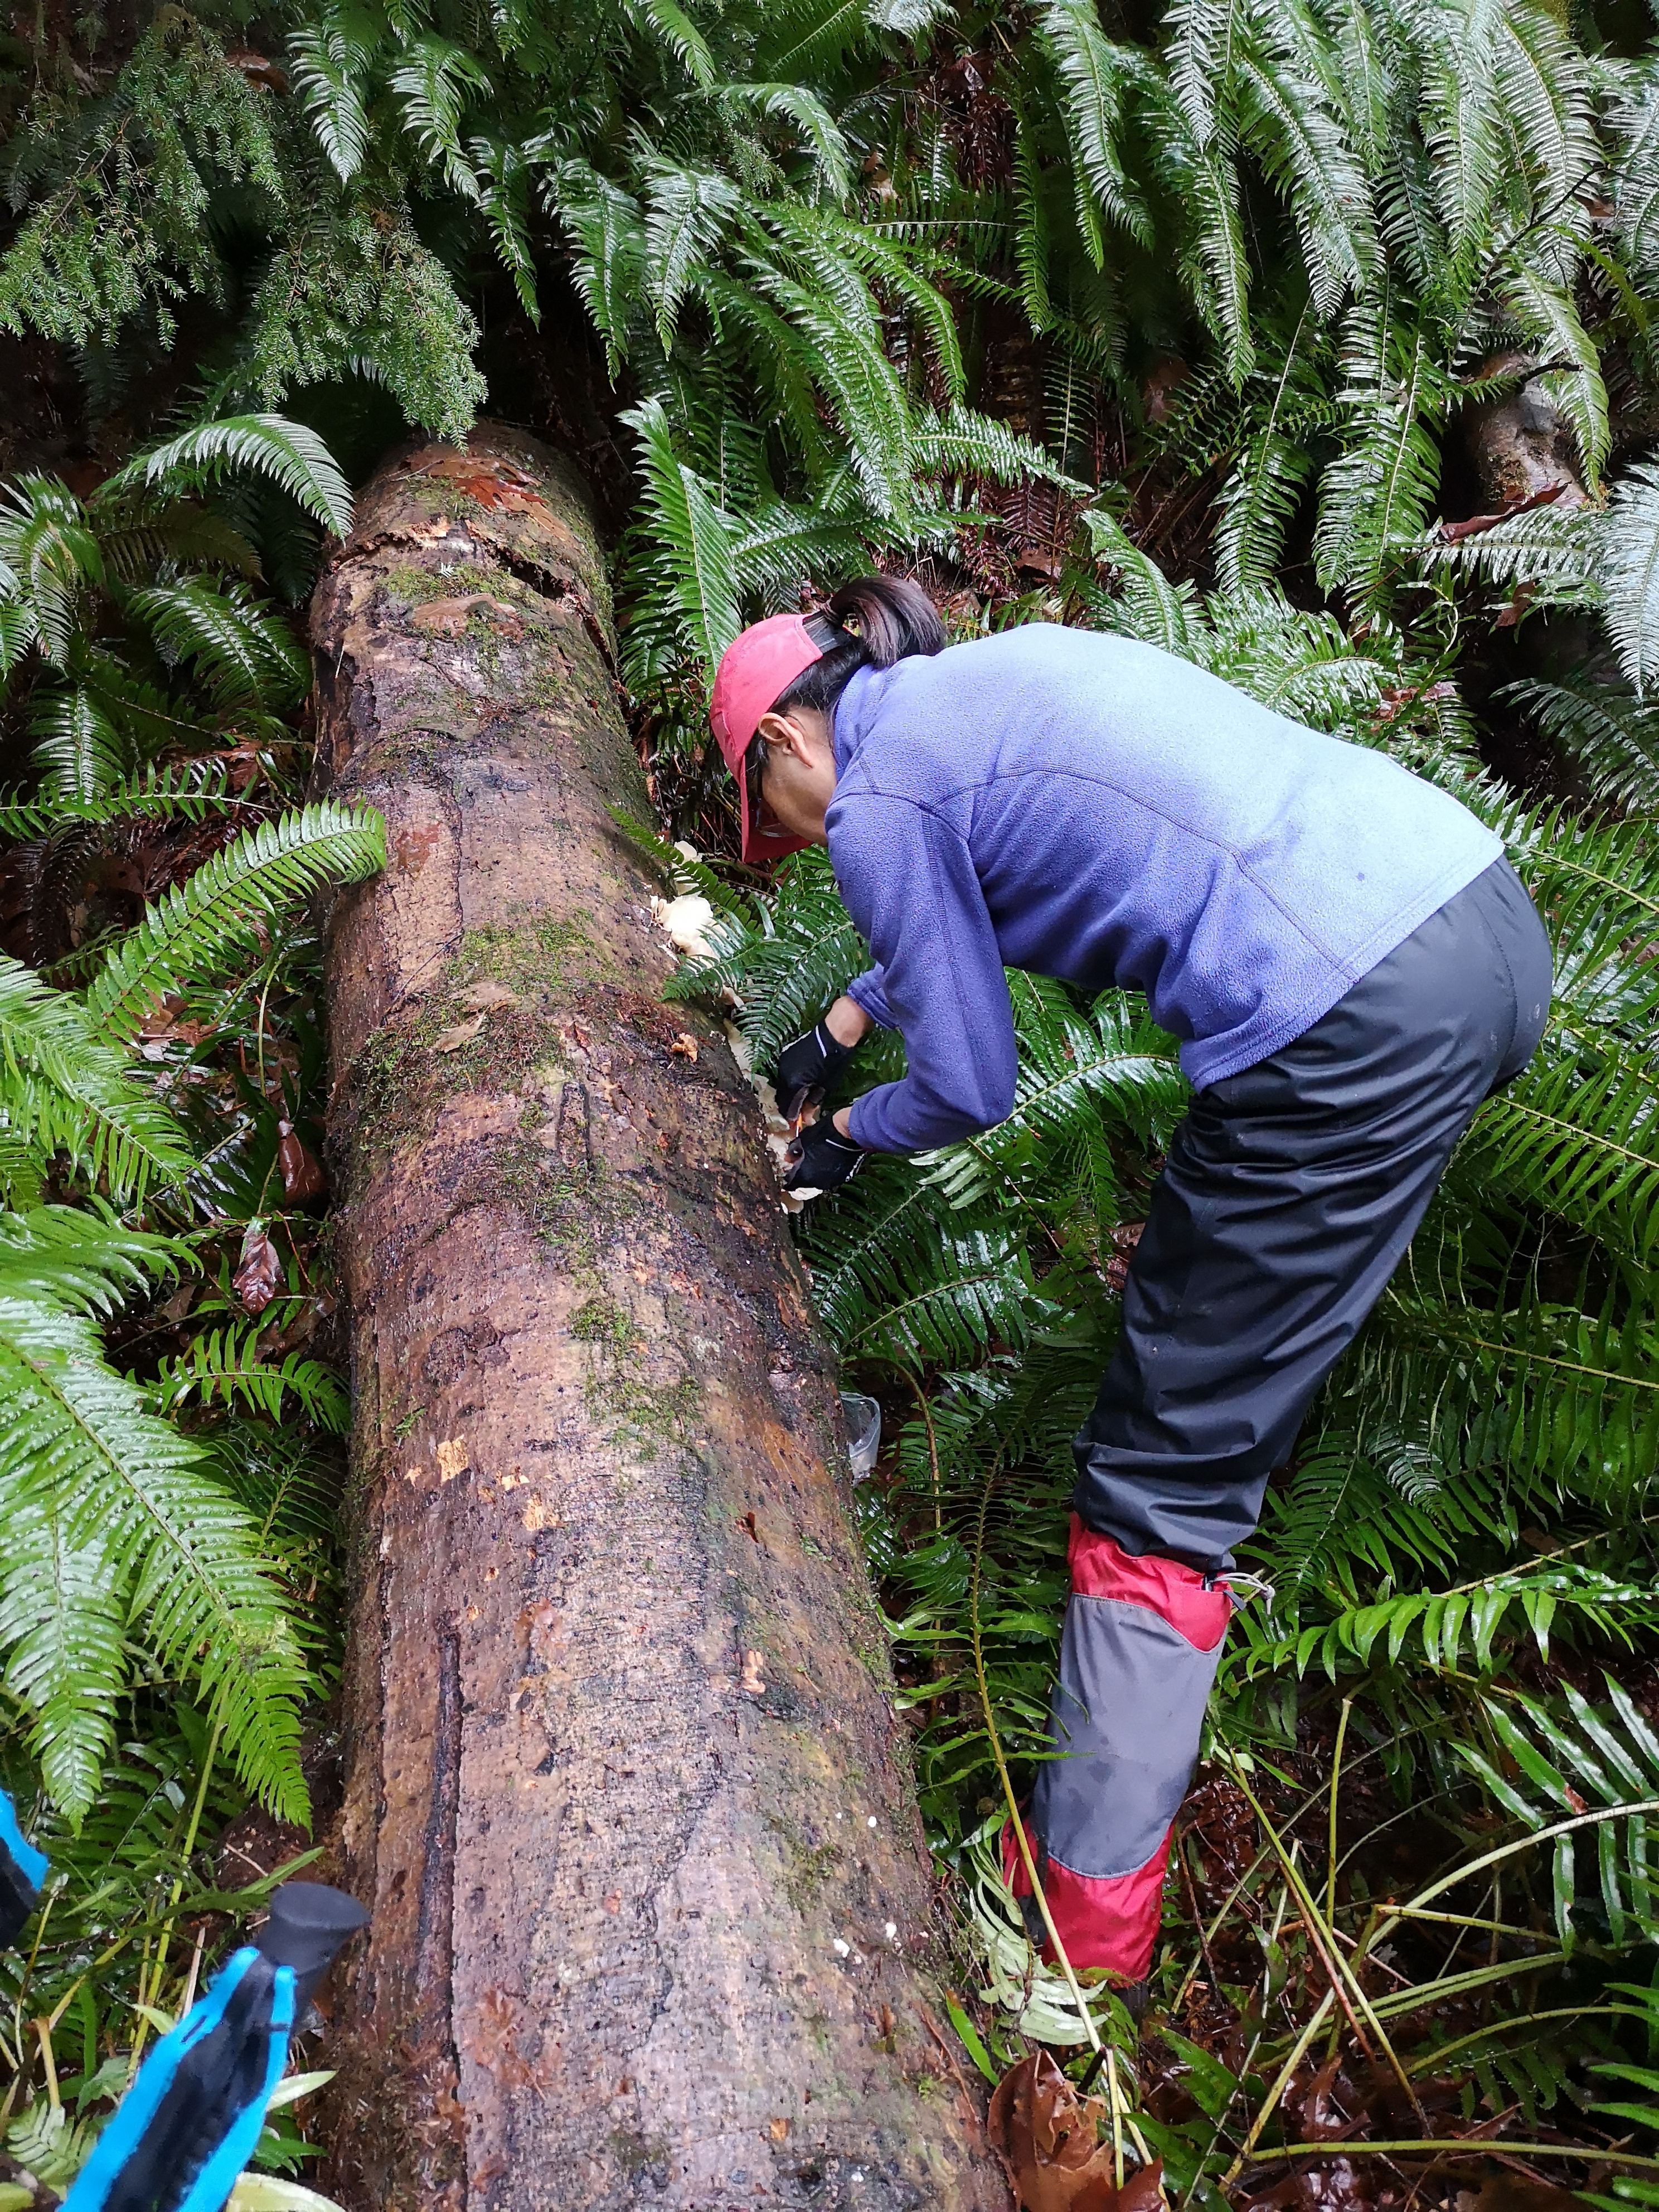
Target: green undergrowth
170,1579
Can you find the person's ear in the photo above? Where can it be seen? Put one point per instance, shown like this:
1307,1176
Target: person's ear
782,734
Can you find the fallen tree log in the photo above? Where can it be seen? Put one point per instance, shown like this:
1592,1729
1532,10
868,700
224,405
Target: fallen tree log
625,1792
1523,446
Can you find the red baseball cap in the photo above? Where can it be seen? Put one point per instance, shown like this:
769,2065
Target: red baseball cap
760,663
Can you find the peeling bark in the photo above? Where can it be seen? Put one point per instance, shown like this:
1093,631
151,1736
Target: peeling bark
631,1937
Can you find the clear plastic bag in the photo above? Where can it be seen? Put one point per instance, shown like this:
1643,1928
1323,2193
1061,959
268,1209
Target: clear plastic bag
863,1418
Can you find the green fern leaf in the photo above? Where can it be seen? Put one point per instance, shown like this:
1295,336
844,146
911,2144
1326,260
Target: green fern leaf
289,454
224,1366
1613,736
1092,74
244,654
687,212
115,1489
49,557
329,59
503,169
65,1086
668,25
435,81
607,233
81,1258
695,536
81,754
220,912
188,792
1579,1134
1152,608
1376,493
800,105
1630,573
1634,169
62,1630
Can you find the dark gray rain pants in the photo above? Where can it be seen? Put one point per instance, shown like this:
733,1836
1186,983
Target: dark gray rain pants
1288,1196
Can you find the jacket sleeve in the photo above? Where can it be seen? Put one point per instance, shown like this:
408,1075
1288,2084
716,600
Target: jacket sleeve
909,883
868,991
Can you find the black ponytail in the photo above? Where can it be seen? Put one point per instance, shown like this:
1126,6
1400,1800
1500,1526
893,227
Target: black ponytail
895,619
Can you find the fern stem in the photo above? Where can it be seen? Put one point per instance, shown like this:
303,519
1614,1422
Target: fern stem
1329,1951
1469,1920
1393,1917
927,1412
28,1975
1280,1909
1269,2103
1431,2061
43,2031
1483,2146
1400,2004
259,1035
1336,1776
186,1850
192,1978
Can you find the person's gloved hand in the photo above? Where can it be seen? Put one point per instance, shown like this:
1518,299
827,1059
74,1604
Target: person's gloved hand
822,1157
806,1069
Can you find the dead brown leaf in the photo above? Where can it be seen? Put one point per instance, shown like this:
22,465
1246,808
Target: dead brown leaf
1453,533
483,996
684,1046
302,1170
1142,2191
1505,2190
1326,2114
1337,2184
162,1028
751,1678
1124,1239
463,1033
1164,377
1051,2138
259,1274
258,69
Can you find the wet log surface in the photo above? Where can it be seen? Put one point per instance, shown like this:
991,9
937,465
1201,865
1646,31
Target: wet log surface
1523,446
624,1789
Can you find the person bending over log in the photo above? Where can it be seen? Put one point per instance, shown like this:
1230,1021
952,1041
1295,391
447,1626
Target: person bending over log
1351,966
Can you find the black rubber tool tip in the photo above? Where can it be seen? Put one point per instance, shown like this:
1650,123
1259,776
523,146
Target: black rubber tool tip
308,1924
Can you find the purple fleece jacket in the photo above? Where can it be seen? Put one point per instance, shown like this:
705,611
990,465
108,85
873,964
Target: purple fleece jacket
1088,807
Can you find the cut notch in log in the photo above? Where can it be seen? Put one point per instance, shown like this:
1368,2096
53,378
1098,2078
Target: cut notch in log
625,1790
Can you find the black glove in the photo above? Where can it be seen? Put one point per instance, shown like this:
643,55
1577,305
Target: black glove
822,1159
805,1069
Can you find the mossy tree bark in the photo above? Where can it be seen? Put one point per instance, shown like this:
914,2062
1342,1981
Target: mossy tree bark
625,1791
